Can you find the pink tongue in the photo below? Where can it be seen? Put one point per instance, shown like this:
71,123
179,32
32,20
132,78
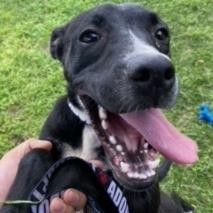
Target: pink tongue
163,136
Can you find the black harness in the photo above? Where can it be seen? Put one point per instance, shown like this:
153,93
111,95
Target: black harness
42,201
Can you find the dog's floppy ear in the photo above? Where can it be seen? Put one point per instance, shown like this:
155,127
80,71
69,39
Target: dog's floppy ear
57,43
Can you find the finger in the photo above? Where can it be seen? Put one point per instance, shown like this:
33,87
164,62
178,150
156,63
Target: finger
16,154
75,198
34,143
57,205
25,147
12,159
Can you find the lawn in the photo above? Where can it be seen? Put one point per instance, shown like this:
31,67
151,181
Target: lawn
30,81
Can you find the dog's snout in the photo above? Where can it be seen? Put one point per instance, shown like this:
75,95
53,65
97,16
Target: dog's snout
155,72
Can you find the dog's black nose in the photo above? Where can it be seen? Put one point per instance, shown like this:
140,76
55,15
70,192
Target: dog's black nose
152,72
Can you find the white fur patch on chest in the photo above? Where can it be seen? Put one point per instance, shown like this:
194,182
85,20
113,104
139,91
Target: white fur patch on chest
88,149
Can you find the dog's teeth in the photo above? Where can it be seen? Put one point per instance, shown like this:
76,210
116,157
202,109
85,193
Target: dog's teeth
145,172
153,164
152,172
134,175
104,124
146,151
145,145
149,173
102,113
119,148
112,140
124,167
137,175
122,153
130,174
142,176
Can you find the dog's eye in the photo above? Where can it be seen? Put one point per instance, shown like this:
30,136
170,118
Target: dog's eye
89,36
162,34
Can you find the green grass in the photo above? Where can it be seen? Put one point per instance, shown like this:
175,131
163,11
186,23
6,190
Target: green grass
30,81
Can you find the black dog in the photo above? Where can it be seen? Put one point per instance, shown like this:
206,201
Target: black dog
116,62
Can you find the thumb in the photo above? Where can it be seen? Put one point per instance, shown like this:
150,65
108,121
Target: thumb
22,149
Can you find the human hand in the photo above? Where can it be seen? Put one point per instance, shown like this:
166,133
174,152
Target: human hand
10,162
72,199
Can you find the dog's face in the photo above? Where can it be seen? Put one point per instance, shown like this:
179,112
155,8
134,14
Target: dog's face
118,58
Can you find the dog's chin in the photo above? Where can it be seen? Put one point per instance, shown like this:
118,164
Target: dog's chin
132,160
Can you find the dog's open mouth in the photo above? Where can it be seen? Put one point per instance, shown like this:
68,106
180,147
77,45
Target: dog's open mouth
132,143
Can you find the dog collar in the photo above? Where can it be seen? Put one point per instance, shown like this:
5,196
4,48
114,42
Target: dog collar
82,114
41,201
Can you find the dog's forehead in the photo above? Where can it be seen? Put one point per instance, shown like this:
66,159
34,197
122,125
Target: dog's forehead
119,14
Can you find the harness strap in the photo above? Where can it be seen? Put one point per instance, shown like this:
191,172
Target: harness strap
42,201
